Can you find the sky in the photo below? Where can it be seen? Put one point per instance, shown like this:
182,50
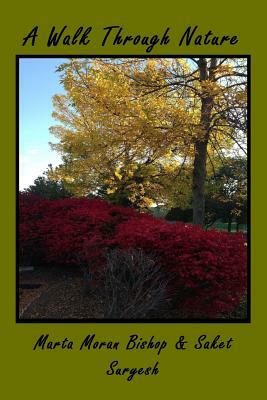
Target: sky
38,82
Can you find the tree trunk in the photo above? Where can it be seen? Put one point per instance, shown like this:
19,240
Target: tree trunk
199,169
230,224
199,177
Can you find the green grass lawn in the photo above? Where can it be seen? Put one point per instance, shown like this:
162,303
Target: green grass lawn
223,226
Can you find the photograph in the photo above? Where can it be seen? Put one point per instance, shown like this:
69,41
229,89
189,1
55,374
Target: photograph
133,188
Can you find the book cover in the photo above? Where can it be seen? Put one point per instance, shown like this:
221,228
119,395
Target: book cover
132,204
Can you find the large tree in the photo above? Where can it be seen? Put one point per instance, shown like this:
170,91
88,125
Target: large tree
141,123
112,135
215,94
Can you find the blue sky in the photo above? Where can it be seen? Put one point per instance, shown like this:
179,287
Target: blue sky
38,82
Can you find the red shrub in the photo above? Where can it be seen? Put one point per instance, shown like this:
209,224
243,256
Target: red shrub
208,268
57,231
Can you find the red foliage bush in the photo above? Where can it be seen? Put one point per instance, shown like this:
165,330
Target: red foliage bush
59,231
207,268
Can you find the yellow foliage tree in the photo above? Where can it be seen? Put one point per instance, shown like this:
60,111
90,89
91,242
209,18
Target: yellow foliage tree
142,127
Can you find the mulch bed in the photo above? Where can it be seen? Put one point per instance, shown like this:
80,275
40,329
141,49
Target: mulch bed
62,295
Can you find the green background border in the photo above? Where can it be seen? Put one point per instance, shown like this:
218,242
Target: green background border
183,374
